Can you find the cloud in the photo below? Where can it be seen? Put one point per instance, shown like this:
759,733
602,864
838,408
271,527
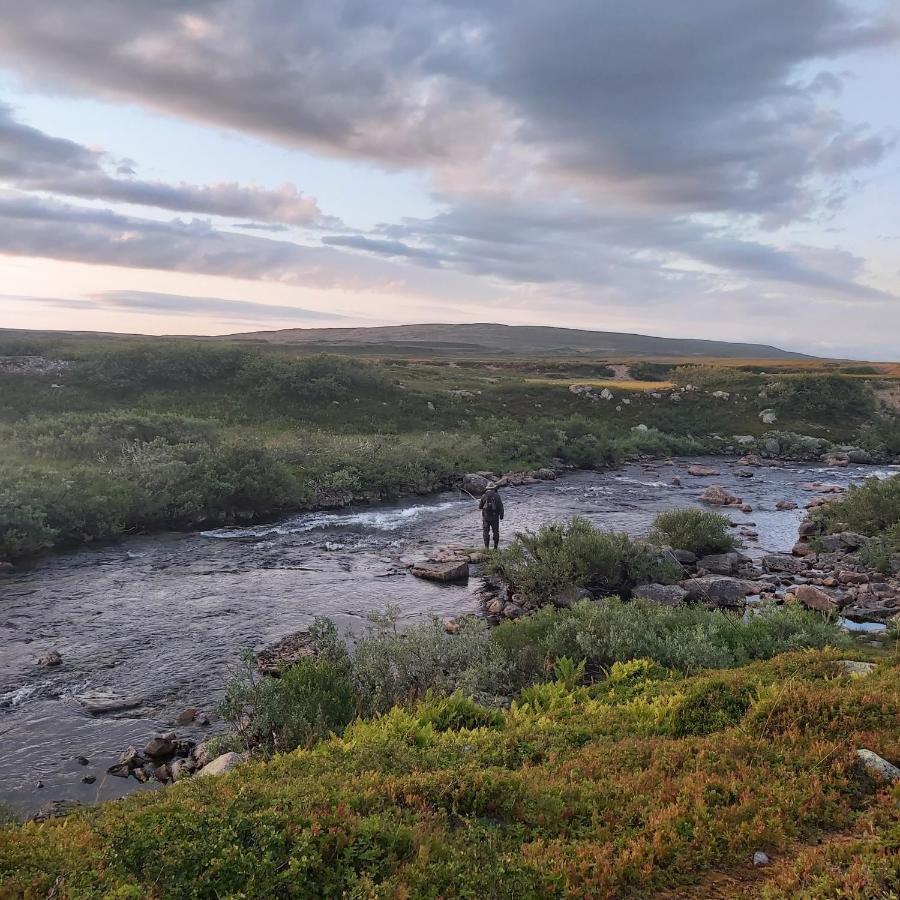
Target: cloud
153,303
711,105
32,160
35,226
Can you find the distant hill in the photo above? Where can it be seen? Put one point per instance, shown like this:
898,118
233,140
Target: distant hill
479,339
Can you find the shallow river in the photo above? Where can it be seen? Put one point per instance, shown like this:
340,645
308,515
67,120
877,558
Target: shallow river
163,618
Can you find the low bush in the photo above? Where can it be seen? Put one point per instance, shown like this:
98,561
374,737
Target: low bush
650,371
553,561
871,508
822,399
310,701
699,531
710,706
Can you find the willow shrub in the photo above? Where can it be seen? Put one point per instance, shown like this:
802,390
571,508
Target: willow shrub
696,530
549,563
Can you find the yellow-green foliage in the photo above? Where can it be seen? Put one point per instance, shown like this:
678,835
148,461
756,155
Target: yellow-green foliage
646,780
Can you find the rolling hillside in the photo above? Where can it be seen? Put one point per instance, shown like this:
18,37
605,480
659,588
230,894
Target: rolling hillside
486,338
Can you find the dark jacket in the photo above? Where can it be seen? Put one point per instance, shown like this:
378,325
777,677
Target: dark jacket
488,513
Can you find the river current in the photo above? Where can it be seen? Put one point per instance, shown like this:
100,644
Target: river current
162,619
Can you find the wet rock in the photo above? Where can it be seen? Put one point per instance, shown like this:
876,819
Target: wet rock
716,495
163,774
441,571
873,610
675,482
878,767
665,594
101,704
221,764
161,745
699,471
784,505
119,770
815,598
88,779
545,474
82,760
131,758
744,473
50,658
187,716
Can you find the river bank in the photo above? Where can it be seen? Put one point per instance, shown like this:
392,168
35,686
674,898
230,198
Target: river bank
162,618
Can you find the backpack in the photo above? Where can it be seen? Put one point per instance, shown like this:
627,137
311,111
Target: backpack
492,506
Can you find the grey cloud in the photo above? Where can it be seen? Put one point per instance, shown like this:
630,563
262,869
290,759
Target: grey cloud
382,247
33,160
36,227
693,106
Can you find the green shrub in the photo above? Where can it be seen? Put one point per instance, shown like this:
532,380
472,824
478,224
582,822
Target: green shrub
871,508
822,398
710,706
650,371
456,712
310,701
881,437
551,562
696,530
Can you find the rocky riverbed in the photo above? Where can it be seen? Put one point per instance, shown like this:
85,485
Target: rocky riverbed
106,646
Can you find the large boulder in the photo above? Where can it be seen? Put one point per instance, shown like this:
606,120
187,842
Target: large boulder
815,598
441,571
722,563
716,495
665,594
475,483
161,745
221,764
719,591
781,562
878,767
699,471
288,651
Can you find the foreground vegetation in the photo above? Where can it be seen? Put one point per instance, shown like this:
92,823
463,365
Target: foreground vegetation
130,435
643,780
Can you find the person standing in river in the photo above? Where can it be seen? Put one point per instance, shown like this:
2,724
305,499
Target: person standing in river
491,507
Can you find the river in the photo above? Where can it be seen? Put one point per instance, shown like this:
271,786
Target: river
163,618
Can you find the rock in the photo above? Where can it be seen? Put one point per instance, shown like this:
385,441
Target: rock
761,859
496,606
131,758
859,456
56,809
781,562
666,594
441,571
815,598
100,704
571,596
545,474
851,540
606,394
785,505
161,745
451,626
801,548
675,482
853,578
836,461
50,658
716,495
82,760
474,483
186,716
685,557
201,755
744,473
721,563
288,651
718,591
180,769
222,764
702,471
119,771
878,767
856,669
768,417
746,508
809,527
88,779
163,774
513,611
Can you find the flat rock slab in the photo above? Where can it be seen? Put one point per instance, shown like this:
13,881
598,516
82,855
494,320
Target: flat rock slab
221,764
441,571
102,705
288,651
856,669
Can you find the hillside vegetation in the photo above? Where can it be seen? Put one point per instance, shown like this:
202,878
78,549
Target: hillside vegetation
641,781
101,437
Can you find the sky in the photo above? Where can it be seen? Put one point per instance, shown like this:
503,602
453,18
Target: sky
723,169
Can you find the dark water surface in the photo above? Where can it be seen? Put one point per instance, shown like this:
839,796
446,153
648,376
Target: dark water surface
163,618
